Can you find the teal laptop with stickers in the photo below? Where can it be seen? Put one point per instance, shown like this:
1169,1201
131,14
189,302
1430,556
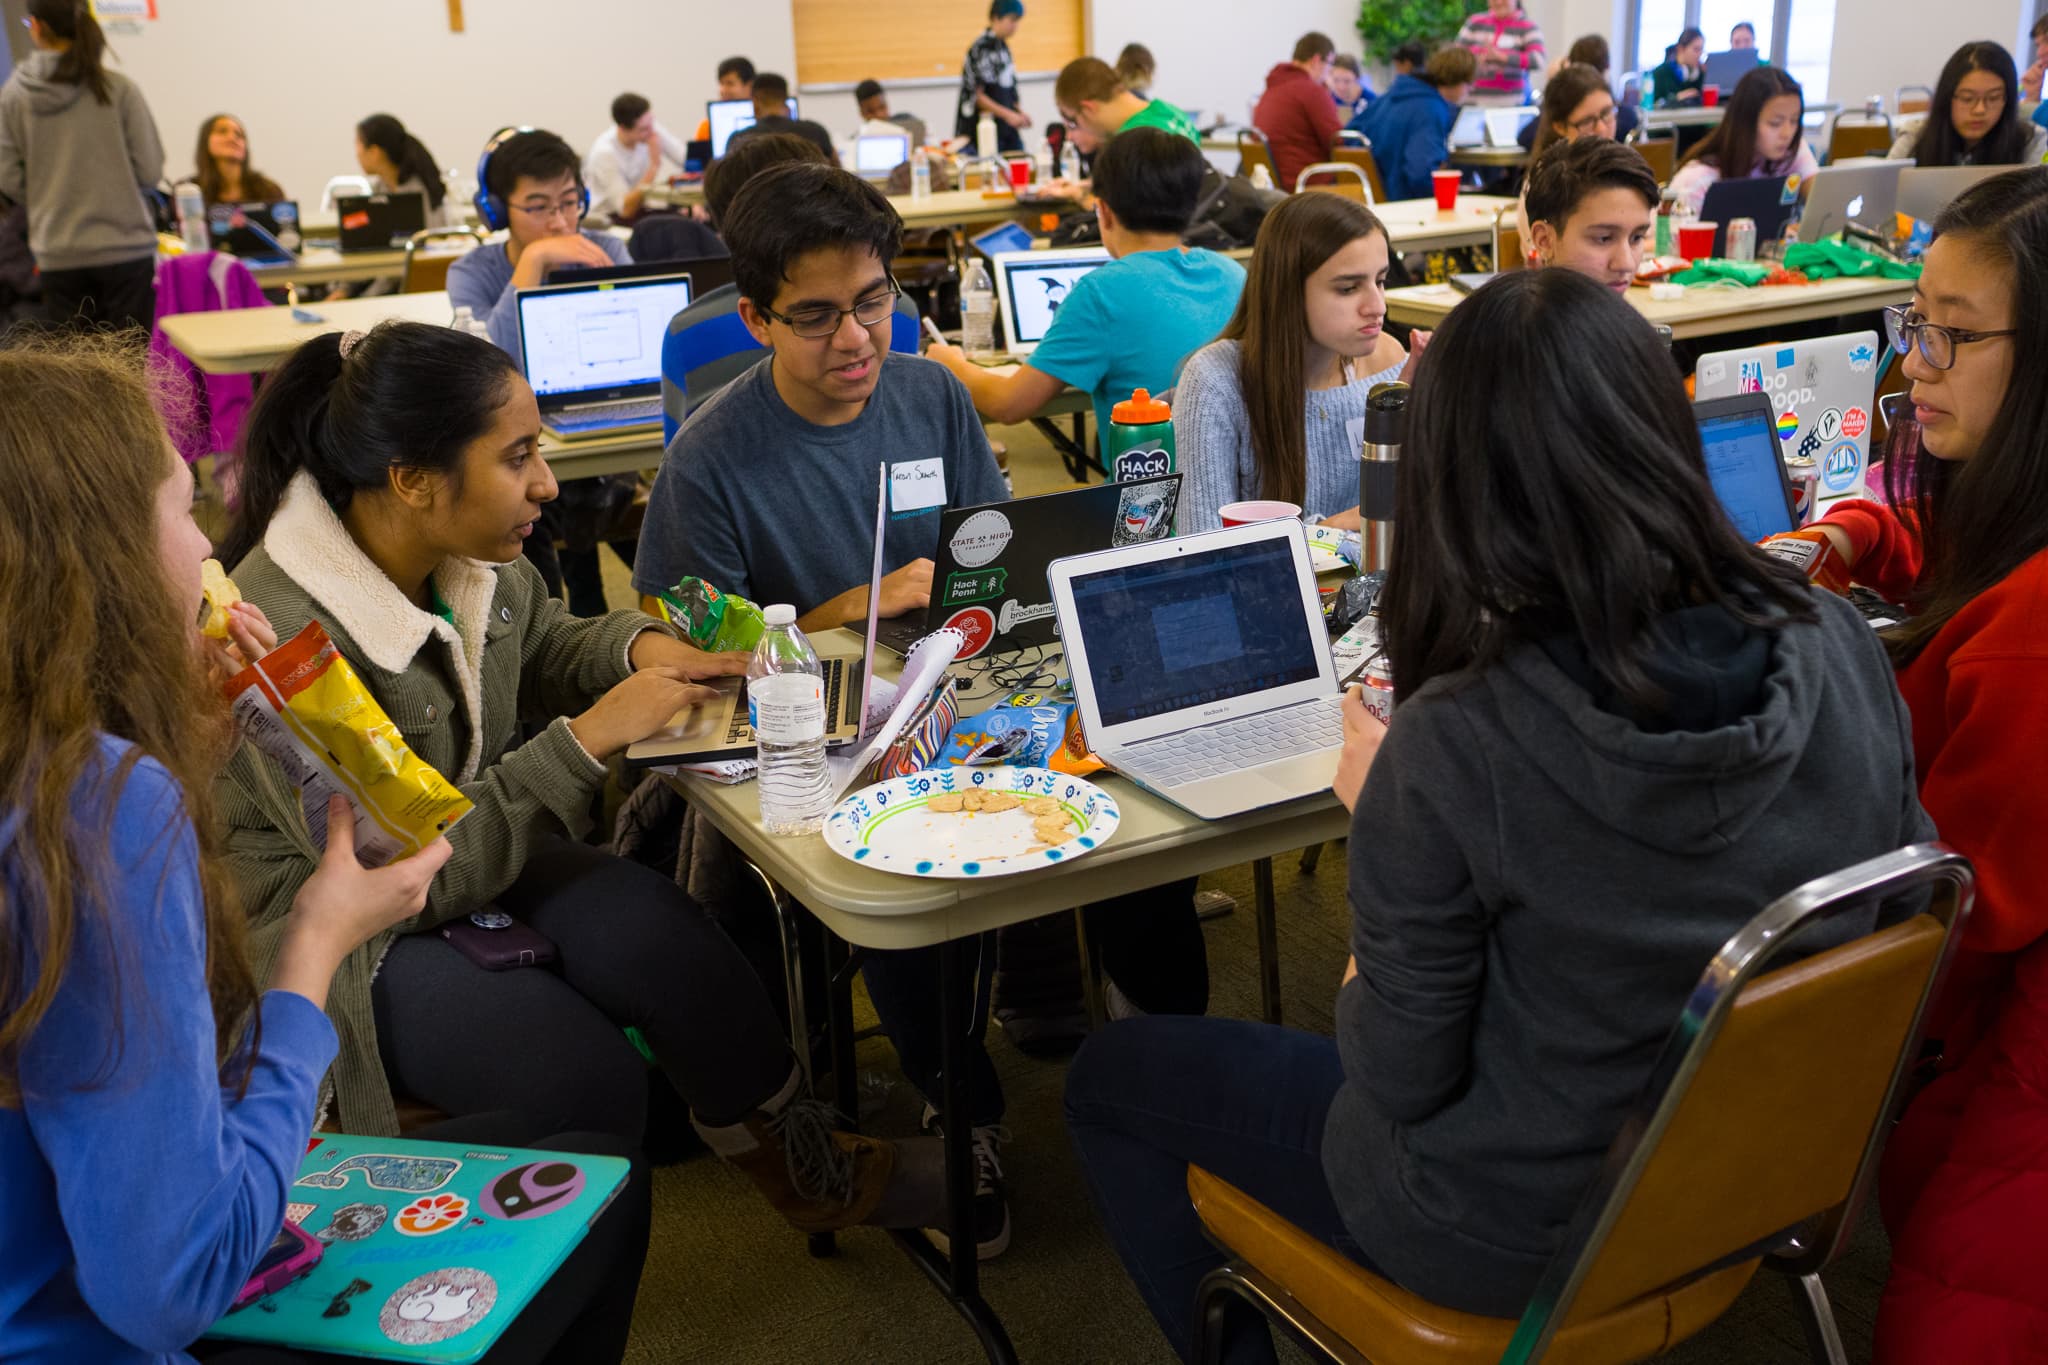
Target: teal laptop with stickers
430,1249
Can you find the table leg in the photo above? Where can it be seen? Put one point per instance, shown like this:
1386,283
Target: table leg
1091,971
839,969
1073,452
1269,939
788,923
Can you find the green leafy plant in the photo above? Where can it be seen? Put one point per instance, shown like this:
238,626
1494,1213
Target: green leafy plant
1386,24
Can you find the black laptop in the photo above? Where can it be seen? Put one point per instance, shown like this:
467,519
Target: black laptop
706,273
1768,201
260,234
379,222
988,572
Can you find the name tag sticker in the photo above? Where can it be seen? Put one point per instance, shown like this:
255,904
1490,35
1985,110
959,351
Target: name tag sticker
916,486
1354,431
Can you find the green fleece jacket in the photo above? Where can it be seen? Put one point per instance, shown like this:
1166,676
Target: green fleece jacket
459,694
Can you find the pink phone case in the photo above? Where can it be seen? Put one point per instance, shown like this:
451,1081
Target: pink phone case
290,1256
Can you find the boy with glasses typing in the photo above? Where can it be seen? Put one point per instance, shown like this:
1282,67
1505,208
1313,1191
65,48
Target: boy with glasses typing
531,186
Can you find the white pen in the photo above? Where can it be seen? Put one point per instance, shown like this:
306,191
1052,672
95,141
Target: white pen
932,330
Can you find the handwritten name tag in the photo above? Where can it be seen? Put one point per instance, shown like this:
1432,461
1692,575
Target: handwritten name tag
917,486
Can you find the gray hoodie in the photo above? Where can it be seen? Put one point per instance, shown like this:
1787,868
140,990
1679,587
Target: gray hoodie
1537,880
79,165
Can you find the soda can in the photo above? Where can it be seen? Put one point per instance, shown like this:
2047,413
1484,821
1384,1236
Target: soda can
1376,684
1742,239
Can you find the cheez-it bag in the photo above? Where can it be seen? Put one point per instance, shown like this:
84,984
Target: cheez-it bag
305,707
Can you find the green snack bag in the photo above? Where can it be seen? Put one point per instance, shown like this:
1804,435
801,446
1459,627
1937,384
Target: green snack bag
710,619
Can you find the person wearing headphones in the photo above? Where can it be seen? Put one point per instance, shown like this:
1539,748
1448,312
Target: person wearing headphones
530,186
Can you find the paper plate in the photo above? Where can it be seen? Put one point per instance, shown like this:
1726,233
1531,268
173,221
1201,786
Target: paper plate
1323,554
891,825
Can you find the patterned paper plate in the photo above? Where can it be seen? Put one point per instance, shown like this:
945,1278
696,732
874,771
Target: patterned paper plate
891,825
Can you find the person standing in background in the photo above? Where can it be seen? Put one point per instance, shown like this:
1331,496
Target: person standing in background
221,165
1508,46
78,146
1295,113
626,160
988,80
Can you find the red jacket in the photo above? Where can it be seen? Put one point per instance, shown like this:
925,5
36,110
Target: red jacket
1299,120
1965,1179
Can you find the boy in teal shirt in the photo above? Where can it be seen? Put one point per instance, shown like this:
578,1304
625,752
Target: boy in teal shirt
1129,324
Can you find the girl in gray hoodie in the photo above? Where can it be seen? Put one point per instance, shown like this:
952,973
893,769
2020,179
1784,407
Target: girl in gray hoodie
78,146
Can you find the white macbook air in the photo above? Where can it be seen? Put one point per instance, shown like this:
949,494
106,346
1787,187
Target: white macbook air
875,155
1924,191
1470,128
1202,667
1863,191
1031,286
1504,126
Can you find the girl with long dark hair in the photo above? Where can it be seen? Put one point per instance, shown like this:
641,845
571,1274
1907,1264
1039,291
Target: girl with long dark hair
1762,134
1599,688
222,169
1974,118
400,163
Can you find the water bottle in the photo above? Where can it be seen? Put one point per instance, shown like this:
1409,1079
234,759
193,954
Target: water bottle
977,310
1046,164
1138,443
786,707
985,144
466,320
920,174
1070,161
192,216
1262,179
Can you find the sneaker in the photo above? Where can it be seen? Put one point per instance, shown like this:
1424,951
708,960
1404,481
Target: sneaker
991,1198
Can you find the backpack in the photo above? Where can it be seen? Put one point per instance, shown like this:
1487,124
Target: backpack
1227,214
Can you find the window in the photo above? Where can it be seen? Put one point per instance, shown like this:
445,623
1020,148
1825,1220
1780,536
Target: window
1795,34
1657,26
1809,39
1717,17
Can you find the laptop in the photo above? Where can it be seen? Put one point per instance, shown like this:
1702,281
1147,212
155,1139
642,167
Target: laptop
1504,126
1746,464
1768,201
1031,286
877,154
1725,70
1924,191
719,729
1821,391
379,222
592,352
997,240
988,573
428,1250
1470,128
1864,192
1201,666
706,273
261,234
727,117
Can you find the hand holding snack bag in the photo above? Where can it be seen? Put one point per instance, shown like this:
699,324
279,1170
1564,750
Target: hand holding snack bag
305,707
712,620
1811,552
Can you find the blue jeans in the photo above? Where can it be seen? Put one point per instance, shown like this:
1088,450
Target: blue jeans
1244,1101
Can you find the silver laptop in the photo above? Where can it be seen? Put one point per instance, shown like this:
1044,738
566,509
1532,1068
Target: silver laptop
875,155
1863,191
1031,286
1470,129
1504,126
1202,667
1924,191
592,352
1821,390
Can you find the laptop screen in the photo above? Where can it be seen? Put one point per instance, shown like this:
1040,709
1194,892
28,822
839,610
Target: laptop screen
1470,129
879,153
729,116
1037,289
1744,465
580,338
1193,629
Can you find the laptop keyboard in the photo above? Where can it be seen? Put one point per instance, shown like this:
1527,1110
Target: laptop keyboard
608,415
1228,747
835,675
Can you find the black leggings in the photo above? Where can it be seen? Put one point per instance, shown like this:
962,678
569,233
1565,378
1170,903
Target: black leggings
546,1043
585,1310
121,295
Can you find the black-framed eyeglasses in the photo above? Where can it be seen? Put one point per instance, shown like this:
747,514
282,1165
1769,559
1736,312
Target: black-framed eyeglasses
1906,329
571,207
822,320
1591,121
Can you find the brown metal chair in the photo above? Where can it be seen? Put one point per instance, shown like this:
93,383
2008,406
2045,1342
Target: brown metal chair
426,271
1856,135
1336,177
1755,1143
1912,99
1508,251
1361,157
1660,152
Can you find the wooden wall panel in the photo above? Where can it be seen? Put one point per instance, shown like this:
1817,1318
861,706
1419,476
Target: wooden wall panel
851,40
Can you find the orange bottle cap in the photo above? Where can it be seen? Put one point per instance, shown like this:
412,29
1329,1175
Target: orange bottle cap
1140,409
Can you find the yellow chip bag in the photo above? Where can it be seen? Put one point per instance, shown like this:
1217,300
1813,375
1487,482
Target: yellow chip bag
305,707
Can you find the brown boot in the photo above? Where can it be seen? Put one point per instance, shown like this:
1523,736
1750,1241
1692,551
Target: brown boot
822,1179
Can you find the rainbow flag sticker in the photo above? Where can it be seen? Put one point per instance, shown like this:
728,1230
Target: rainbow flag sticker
1788,425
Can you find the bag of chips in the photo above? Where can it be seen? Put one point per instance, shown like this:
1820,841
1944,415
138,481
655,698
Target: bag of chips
1026,730
305,707
710,619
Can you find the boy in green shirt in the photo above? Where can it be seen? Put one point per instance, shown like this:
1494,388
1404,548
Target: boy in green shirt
1092,96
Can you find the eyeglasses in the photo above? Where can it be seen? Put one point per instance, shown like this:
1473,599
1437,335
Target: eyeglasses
1592,121
1989,99
1906,329
822,320
541,208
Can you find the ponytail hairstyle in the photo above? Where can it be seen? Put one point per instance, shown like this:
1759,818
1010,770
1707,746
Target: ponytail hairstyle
1731,147
407,153
405,396
83,63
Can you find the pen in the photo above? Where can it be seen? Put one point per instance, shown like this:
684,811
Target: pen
932,330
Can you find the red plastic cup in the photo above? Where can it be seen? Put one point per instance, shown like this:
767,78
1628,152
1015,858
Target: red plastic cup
1710,96
1245,513
1445,183
1696,240
1020,174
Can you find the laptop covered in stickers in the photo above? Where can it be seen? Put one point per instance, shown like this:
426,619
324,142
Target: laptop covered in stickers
429,1250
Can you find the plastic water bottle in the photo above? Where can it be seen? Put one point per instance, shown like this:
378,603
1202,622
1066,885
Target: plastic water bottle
920,174
786,707
977,310
985,136
191,203
1046,164
1262,179
1070,161
466,320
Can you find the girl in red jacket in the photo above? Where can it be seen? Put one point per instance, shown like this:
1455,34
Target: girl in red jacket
1966,1176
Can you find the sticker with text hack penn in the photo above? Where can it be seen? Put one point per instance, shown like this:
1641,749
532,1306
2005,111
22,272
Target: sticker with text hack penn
917,486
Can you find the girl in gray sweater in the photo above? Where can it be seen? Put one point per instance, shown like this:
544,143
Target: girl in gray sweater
1275,408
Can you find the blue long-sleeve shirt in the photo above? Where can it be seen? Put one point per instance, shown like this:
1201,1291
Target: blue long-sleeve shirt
1410,128
136,1191
482,279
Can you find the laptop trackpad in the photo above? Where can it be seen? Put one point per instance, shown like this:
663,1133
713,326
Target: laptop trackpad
705,724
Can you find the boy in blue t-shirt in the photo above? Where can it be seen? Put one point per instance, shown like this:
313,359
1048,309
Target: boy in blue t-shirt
1129,324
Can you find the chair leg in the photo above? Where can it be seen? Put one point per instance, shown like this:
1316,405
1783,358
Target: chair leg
787,921
1823,1337
1310,856
1282,1312
1212,1310
1269,940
